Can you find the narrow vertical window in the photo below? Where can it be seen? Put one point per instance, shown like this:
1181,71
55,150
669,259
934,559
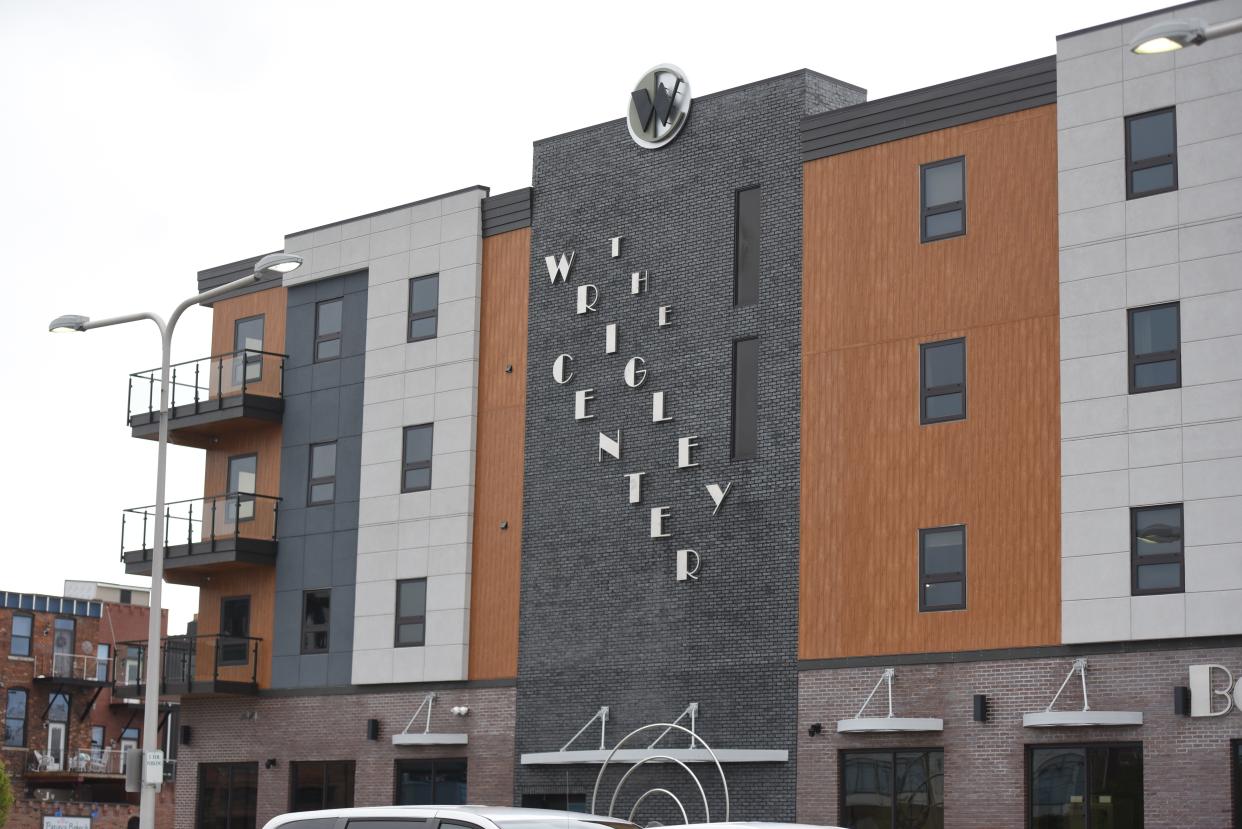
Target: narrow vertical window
322,474
316,614
328,330
746,247
1151,153
97,743
943,199
942,375
233,647
15,718
248,351
243,475
424,307
411,613
745,398
19,641
416,458
1155,348
942,568
1157,557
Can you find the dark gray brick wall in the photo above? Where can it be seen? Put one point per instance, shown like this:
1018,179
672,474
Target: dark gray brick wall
603,621
323,402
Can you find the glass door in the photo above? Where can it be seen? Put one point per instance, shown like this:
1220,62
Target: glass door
1086,787
62,647
103,658
55,746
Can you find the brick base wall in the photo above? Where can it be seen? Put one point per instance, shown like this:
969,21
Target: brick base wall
28,814
1185,761
333,727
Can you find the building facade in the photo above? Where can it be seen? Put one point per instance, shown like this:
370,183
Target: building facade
887,448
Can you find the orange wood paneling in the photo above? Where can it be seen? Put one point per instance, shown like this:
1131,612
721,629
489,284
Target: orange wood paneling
263,441
871,474
259,583
271,303
496,575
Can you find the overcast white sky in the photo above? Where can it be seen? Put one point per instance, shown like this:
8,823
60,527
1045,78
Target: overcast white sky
143,141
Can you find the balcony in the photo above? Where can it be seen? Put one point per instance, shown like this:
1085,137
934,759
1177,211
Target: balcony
70,669
209,397
202,534
52,767
204,665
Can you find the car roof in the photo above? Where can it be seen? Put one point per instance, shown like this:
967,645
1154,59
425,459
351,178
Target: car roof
493,813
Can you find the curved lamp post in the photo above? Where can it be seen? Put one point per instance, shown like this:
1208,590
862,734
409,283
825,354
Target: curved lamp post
274,263
1172,35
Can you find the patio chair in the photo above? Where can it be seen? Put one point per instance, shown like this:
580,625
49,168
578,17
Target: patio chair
41,761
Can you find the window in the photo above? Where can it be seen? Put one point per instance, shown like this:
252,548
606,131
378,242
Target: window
233,648
944,199
1151,153
416,458
243,474
58,708
103,661
322,474
746,247
942,374
430,782
424,304
316,605
1086,787
328,330
227,794
1156,554
19,641
893,789
942,568
63,639
745,398
127,597
15,717
1155,348
411,612
248,347
97,743
560,801
327,785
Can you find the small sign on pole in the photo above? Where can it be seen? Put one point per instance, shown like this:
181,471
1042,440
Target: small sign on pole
153,768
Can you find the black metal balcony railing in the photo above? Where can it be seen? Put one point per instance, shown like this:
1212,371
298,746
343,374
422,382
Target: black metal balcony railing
199,385
201,524
206,663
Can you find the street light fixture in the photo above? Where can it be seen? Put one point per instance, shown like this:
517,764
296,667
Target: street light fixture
272,263
1172,35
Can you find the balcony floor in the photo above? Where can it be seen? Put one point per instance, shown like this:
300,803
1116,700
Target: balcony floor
191,563
195,424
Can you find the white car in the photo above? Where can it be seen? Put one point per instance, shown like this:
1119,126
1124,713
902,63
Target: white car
750,824
444,817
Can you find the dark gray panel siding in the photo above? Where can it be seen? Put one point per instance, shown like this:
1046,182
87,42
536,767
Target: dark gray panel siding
507,211
603,621
323,402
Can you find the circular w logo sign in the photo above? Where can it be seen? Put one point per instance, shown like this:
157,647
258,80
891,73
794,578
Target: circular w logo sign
659,106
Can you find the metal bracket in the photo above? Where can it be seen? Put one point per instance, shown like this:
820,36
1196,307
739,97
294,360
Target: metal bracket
1079,666
426,703
602,716
692,711
887,676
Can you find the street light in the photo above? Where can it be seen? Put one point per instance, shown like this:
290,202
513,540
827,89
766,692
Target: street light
1172,35
275,263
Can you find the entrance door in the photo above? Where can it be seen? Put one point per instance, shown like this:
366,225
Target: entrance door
55,746
62,647
1086,787
234,627
103,660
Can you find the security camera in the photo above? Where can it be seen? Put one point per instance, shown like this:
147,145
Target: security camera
460,710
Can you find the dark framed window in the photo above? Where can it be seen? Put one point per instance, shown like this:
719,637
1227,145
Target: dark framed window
1151,153
411,627
1087,786
745,439
440,782
893,789
1235,776
942,381
19,636
233,647
15,717
328,329
424,307
227,795
1155,335
322,486
243,476
321,785
59,706
247,345
316,615
746,246
416,458
943,199
1157,557
559,801
942,568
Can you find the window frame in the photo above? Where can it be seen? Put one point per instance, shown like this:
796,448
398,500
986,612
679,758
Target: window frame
941,577
1029,748
1133,166
432,761
1161,558
312,481
734,454
13,637
1133,360
400,620
412,315
947,207
737,245
244,637
323,338
326,627
203,768
892,752
247,359
407,464
4,737
351,774
103,741
936,391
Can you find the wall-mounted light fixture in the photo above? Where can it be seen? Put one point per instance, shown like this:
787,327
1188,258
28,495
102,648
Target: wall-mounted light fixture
460,710
372,729
981,708
269,763
1181,701
815,730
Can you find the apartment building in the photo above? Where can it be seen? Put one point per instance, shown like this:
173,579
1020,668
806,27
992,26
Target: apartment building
888,448
65,728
